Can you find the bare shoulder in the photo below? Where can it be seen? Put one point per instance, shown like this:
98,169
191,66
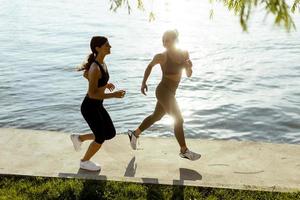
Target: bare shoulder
94,67
184,53
159,58
94,70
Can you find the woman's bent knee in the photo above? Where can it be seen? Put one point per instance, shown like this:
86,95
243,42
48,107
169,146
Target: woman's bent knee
179,120
99,141
111,134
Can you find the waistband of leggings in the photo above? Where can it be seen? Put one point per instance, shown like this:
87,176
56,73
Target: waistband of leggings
92,100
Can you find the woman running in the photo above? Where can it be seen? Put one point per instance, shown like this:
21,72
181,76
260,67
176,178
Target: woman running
95,70
172,62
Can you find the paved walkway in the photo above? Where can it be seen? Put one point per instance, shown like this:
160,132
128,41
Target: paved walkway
225,164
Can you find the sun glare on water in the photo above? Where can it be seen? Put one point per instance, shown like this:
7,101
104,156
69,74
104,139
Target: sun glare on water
167,120
174,14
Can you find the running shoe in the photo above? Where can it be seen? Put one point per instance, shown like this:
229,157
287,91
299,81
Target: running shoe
76,142
132,139
190,155
90,166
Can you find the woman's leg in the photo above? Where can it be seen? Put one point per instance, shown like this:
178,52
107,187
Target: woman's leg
93,148
94,118
89,136
170,105
110,131
178,124
158,113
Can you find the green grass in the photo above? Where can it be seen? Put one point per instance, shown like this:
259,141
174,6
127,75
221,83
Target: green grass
19,187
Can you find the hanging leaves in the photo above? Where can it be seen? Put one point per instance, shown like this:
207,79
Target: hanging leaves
242,8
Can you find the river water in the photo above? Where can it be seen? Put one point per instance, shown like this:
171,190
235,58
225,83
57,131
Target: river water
245,86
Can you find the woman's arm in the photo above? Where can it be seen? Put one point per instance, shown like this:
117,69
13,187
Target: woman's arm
110,86
155,60
98,93
188,64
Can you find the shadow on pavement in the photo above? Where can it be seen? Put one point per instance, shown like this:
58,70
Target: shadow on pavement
131,168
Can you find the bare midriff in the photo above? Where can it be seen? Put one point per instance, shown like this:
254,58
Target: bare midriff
173,77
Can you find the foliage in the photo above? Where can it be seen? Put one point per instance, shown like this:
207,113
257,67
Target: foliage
280,9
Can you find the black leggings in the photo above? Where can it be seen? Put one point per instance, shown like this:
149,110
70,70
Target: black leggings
98,119
166,103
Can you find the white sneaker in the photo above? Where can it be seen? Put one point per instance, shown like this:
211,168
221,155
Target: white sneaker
90,166
190,155
132,139
76,142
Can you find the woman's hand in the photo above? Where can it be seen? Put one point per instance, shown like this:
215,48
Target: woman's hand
143,88
188,63
110,86
119,93
188,68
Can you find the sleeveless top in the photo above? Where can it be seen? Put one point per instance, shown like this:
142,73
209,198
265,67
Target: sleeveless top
172,67
105,76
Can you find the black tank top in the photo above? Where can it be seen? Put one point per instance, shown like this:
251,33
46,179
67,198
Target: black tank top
105,76
172,67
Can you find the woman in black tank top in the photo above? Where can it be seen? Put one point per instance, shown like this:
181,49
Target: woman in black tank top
165,92
92,108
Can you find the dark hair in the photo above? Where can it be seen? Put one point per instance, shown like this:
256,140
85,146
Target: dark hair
96,41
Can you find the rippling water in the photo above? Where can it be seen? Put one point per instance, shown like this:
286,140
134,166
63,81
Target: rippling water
245,86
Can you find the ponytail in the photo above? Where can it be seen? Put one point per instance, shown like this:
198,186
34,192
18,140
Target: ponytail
96,41
87,64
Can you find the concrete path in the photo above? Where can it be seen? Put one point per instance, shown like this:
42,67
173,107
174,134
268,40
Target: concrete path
224,164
